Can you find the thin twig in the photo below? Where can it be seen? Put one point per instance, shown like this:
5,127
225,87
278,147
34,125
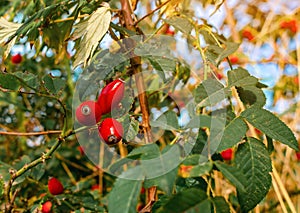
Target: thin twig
31,133
150,13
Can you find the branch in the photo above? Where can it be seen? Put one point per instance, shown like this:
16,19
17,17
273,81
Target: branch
31,133
151,12
135,62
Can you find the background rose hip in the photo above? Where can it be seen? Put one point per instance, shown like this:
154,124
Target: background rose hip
16,59
54,186
88,113
46,207
111,95
227,154
111,131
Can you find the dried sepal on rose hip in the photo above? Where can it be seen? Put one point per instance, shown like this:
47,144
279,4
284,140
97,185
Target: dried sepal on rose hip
55,187
110,131
111,95
88,113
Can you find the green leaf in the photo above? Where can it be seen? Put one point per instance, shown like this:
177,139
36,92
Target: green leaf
180,23
271,125
204,206
230,47
91,31
251,95
233,174
184,200
201,169
233,133
1,186
124,195
157,165
131,128
53,85
252,158
37,172
86,88
167,121
240,77
161,63
27,79
220,205
9,81
210,92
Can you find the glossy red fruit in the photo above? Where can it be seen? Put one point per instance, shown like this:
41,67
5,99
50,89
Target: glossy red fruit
46,207
111,95
88,113
55,187
111,131
227,154
220,76
247,34
16,59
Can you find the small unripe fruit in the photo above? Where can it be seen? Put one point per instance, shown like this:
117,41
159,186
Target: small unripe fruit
227,154
111,131
111,95
46,207
88,113
55,187
16,59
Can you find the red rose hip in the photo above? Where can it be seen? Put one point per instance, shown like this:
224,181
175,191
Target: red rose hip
16,59
88,113
227,154
46,207
55,187
111,95
111,131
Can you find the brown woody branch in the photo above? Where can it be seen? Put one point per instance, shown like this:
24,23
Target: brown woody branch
135,62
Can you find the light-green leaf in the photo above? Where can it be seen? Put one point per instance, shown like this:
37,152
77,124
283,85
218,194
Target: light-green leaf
167,121
180,23
8,29
91,31
210,92
233,174
271,125
240,77
252,158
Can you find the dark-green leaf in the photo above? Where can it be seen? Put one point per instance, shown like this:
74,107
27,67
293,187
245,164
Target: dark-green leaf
124,195
53,85
184,200
271,125
233,174
252,158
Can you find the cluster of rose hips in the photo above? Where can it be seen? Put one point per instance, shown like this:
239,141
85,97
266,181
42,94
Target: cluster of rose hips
89,113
